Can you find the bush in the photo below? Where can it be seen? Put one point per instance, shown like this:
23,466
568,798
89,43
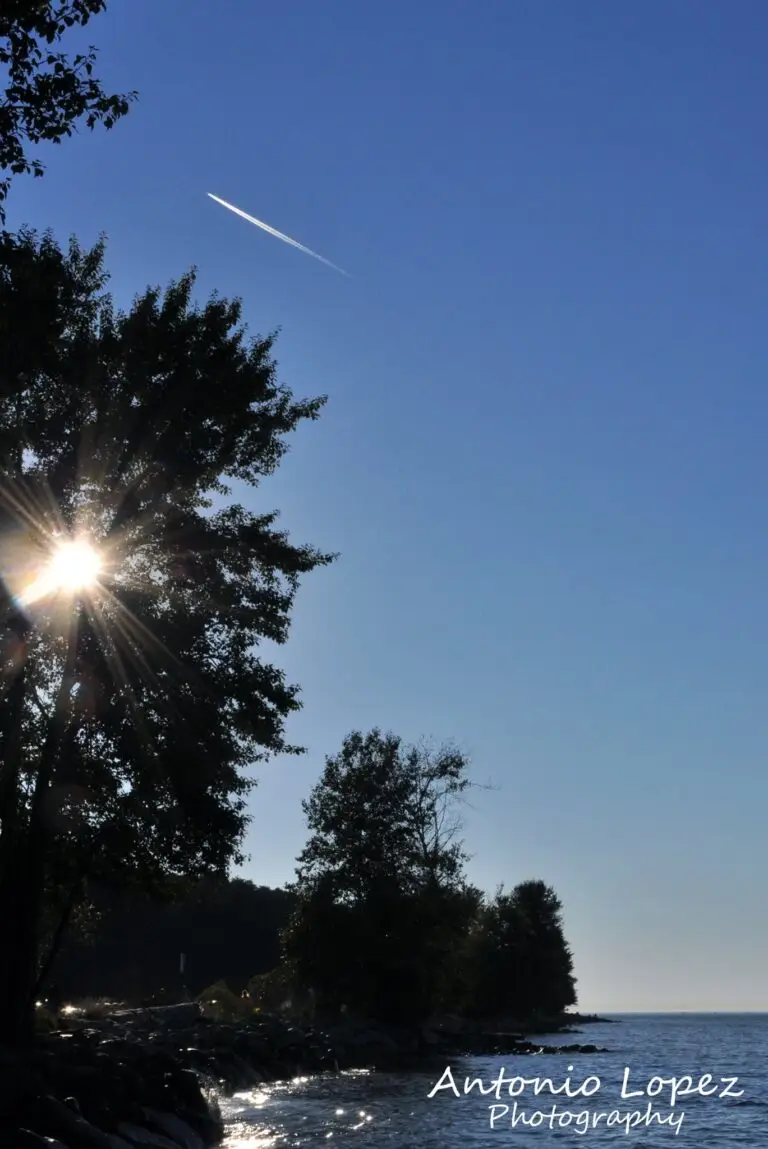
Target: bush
221,1003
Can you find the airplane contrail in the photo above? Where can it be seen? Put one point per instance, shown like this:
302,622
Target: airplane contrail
278,234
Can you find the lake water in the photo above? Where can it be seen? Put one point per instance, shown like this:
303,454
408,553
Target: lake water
365,1109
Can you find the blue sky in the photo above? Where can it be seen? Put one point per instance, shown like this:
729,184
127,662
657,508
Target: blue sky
543,458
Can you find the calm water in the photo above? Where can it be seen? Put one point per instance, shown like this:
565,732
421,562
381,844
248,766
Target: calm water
376,1110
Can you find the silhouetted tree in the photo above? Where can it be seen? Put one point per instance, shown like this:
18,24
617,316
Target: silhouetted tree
382,895
46,92
131,712
517,961
548,966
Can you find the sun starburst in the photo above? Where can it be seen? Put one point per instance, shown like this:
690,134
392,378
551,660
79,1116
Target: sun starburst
74,565
70,567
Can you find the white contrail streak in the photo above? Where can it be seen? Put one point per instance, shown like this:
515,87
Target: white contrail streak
277,234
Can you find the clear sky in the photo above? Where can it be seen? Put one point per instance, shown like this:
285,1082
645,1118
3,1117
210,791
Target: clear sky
544,456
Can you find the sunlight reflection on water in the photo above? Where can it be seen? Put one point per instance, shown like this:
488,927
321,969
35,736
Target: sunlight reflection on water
315,1111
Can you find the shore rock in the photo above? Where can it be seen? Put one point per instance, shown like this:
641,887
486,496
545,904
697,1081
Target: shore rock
147,1079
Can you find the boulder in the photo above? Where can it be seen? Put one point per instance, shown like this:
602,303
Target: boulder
26,1139
144,1138
55,1119
172,1126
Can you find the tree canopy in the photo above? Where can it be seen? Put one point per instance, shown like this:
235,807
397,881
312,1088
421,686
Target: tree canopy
386,922
382,893
518,961
133,712
46,91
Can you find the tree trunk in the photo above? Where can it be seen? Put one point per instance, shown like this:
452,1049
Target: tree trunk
22,884
57,939
14,904
18,956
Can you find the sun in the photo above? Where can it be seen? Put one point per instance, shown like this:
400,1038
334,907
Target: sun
71,566
74,565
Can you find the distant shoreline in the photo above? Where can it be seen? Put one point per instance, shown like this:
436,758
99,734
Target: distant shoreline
617,1014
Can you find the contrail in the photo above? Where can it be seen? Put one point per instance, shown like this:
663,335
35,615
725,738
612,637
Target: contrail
278,234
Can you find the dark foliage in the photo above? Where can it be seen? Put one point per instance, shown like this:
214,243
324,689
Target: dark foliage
518,961
131,716
382,897
386,923
227,930
47,93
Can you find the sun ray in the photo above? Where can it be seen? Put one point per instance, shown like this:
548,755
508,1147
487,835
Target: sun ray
67,554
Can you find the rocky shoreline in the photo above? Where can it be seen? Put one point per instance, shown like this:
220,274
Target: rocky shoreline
148,1079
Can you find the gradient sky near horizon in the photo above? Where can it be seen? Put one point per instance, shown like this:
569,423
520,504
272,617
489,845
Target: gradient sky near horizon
544,455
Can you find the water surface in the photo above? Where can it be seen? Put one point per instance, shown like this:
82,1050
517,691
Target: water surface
380,1109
